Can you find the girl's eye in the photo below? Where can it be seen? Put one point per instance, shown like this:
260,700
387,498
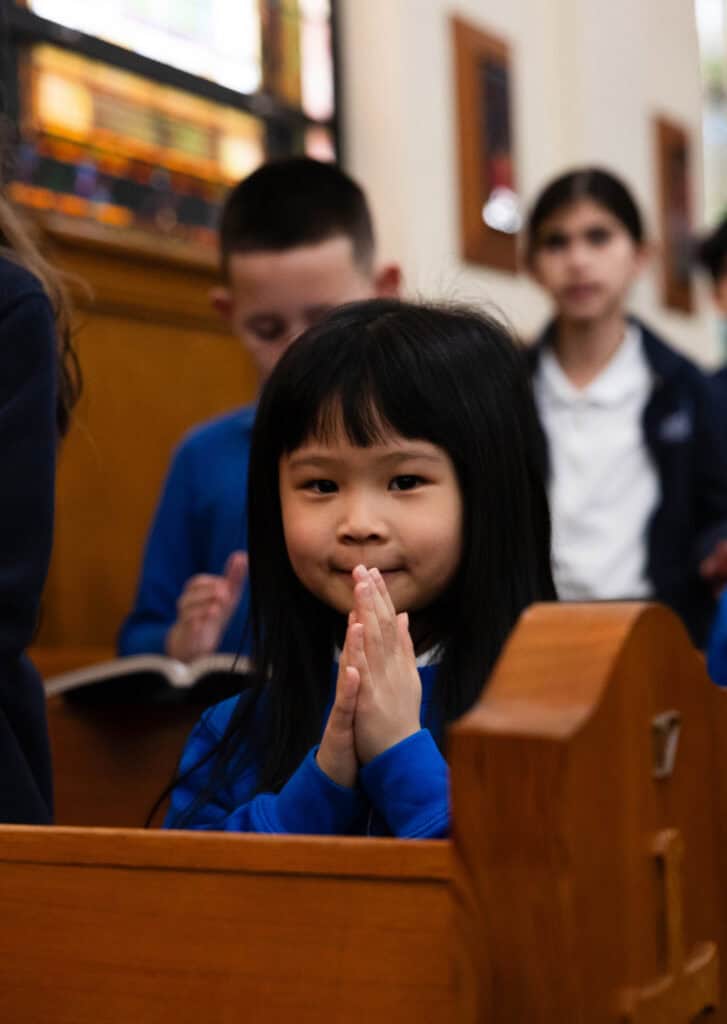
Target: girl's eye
554,241
405,482
320,486
598,236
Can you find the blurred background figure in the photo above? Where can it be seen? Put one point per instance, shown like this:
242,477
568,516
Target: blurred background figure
712,257
39,385
637,461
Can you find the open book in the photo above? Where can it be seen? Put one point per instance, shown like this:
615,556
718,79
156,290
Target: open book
140,673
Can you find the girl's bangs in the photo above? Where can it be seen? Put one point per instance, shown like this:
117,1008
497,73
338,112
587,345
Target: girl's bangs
366,395
355,414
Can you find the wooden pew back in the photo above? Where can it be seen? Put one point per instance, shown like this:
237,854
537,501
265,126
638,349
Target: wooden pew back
111,926
113,756
584,882
112,761
596,847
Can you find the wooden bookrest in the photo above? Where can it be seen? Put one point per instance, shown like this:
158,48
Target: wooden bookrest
585,880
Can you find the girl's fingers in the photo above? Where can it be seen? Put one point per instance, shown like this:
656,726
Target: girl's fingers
345,658
349,680
357,654
375,611
383,607
364,606
348,688
383,591
402,625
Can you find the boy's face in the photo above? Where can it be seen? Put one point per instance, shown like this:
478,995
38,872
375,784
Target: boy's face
273,296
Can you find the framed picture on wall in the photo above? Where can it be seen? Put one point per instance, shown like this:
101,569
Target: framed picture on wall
674,183
490,209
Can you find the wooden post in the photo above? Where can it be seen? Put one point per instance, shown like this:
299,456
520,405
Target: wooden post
591,751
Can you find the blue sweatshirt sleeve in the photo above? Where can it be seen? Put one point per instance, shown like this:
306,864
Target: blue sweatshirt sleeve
168,563
717,646
309,803
409,786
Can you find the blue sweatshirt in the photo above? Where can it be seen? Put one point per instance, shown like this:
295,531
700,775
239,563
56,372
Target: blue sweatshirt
717,645
200,520
402,792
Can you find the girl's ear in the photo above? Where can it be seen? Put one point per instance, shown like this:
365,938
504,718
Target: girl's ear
388,281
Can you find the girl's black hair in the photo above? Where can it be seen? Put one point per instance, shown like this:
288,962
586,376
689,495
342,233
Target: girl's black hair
449,376
593,183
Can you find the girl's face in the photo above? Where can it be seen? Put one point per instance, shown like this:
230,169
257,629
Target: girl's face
586,260
395,506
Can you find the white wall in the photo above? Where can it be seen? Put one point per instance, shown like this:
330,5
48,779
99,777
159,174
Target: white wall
588,77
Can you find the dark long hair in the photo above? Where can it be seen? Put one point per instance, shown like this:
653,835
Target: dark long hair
593,183
449,376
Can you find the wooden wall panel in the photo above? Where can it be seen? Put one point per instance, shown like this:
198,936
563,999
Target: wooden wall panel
155,360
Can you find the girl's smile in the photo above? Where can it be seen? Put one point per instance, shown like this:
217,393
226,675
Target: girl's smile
395,506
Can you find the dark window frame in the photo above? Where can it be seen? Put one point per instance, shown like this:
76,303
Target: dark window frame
20,26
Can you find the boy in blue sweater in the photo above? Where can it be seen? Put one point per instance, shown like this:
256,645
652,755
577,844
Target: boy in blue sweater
296,240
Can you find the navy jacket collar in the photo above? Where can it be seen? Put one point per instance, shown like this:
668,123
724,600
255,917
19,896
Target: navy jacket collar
663,360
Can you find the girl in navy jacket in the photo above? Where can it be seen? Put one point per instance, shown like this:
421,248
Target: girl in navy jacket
398,527
636,457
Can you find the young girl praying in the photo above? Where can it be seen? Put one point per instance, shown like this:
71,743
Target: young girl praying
398,526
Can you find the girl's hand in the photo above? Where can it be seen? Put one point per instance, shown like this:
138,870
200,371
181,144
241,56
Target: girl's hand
337,753
390,691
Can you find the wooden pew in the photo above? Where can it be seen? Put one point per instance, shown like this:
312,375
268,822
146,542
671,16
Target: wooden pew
112,758
141,927
585,881
112,761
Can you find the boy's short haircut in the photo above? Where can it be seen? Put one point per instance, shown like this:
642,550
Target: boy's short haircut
711,252
293,202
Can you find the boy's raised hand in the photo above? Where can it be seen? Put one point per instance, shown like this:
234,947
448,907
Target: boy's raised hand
337,753
390,691
204,610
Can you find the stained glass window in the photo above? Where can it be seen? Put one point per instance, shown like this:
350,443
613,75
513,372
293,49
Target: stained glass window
131,148
215,39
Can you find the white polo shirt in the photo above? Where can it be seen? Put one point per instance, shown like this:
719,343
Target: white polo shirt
603,486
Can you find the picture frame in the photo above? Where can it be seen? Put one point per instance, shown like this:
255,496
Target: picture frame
489,206
674,190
